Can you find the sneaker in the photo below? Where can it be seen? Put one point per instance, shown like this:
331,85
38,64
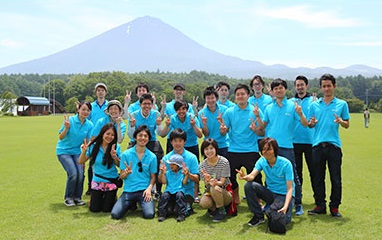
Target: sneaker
255,221
212,213
79,202
299,210
218,217
266,207
335,213
180,218
197,200
88,192
69,203
244,197
317,210
161,219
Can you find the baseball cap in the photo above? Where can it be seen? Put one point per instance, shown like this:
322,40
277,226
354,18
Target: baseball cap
114,102
181,85
100,85
176,159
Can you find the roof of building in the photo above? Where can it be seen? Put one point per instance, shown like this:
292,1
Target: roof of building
26,100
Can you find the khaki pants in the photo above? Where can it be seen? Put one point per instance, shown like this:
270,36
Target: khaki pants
217,197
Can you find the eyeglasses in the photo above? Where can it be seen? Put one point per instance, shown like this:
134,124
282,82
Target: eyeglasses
140,166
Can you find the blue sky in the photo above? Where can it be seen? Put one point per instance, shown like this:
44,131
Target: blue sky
295,33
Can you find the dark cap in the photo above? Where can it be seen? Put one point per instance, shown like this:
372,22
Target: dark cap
181,85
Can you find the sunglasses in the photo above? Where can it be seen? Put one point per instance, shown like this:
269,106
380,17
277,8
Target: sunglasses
140,166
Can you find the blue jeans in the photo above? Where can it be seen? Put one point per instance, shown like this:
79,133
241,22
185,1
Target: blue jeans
176,201
75,172
130,199
333,156
289,154
255,191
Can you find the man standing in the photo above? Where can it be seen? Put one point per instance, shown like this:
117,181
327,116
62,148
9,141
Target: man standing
280,120
303,136
327,114
223,90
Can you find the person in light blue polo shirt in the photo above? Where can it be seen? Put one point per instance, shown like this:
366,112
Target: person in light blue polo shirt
114,113
326,115
280,120
138,168
151,118
178,138
104,152
302,136
259,98
239,122
210,117
222,89
72,134
279,182
98,112
140,89
174,178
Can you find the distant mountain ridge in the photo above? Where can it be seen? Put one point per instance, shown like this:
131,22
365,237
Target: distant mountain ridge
148,44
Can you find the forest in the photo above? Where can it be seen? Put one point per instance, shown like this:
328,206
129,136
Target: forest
358,91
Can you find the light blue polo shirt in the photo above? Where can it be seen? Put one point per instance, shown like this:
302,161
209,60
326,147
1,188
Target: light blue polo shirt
277,175
326,130
242,138
98,111
170,110
174,181
101,169
149,121
102,122
138,181
136,106
192,163
213,124
227,103
262,101
186,126
77,132
281,122
301,134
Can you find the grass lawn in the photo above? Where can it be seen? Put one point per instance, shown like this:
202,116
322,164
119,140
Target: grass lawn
33,184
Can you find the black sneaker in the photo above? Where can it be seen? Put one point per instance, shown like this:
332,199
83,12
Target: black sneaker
218,217
335,213
161,219
317,210
213,213
79,202
180,218
69,203
255,221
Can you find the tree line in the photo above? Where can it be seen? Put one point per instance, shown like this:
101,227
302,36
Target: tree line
67,89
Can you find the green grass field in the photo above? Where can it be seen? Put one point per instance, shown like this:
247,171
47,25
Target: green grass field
33,182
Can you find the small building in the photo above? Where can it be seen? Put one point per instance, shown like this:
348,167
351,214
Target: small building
32,106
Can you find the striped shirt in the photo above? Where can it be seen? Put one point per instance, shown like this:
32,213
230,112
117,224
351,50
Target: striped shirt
221,169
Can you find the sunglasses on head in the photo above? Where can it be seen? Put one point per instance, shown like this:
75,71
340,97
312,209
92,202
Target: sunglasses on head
140,166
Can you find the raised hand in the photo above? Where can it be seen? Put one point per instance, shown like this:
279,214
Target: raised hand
185,170
256,110
195,101
113,152
85,145
162,167
297,108
163,101
128,97
132,120
337,119
241,173
66,121
167,120
204,119
158,119
314,95
192,120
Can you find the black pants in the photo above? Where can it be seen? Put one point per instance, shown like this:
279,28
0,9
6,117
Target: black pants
102,201
300,151
177,200
246,160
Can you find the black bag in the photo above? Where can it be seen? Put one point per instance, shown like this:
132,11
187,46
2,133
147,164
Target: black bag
117,181
276,220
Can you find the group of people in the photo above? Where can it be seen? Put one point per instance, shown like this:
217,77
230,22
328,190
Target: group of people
262,133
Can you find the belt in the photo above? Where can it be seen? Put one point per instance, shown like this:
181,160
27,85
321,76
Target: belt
325,144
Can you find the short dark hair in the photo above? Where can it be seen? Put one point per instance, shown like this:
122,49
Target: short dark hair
178,133
257,77
210,91
267,141
301,77
84,103
242,86
146,96
180,103
278,82
207,142
142,85
142,128
222,83
329,77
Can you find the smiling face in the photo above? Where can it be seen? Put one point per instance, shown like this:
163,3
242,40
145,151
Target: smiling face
142,139
211,100
100,92
223,92
210,151
114,111
327,88
279,91
178,144
300,87
257,86
182,112
83,111
241,97
146,106
141,91
108,136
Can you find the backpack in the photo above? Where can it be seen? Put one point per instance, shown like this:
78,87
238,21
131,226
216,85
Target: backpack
276,220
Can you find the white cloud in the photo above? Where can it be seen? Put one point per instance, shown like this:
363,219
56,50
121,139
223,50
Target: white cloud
311,18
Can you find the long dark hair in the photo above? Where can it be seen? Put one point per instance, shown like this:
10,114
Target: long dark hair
97,141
